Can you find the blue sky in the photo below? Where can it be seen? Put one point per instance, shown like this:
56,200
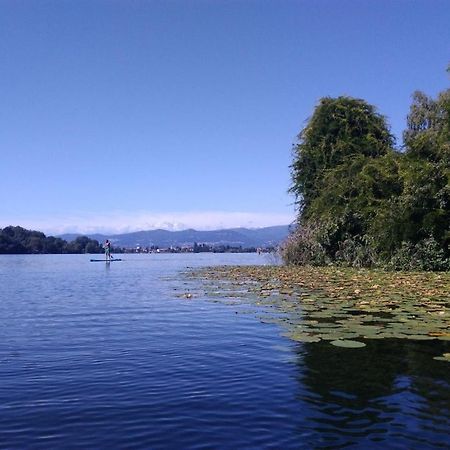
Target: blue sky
125,115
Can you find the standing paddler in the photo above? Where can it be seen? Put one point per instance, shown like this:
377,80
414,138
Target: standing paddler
107,247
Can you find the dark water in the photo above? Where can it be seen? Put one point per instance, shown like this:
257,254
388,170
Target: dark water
98,357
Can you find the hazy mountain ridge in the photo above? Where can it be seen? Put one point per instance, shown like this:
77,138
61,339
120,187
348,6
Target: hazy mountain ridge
245,237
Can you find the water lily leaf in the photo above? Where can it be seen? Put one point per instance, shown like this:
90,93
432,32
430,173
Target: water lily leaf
419,337
388,305
326,325
348,343
337,336
441,358
438,334
300,337
310,322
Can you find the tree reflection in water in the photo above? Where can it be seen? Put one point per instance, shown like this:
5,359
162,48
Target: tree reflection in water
390,393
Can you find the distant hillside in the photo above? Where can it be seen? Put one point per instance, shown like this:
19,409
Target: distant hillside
245,237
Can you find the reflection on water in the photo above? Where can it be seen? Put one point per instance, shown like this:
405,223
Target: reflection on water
110,356
390,391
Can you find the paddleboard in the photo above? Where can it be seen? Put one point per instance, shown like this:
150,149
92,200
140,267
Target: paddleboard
106,260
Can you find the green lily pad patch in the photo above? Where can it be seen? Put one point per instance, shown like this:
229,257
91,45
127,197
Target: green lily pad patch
347,343
340,306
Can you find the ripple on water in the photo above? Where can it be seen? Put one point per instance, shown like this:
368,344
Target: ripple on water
95,358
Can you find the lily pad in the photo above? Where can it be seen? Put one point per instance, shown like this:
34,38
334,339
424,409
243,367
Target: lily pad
348,343
444,357
323,303
300,337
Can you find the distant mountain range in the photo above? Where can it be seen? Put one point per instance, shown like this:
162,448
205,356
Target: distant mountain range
245,237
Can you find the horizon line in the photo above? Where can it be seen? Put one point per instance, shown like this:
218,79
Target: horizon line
175,231
122,222
104,233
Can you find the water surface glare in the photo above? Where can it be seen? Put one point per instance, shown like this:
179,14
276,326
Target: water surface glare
98,356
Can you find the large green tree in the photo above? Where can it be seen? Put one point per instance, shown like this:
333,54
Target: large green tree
425,200
360,201
340,129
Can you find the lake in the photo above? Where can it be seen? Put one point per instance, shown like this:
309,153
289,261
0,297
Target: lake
116,356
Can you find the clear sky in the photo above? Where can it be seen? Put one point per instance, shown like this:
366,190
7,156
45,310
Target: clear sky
125,115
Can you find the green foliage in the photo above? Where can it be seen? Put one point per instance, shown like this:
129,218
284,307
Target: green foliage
305,246
361,202
324,243
339,129
425,255
18,240
83,244
428,127
357,251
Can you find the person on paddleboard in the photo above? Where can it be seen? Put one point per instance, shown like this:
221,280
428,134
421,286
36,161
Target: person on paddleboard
107,247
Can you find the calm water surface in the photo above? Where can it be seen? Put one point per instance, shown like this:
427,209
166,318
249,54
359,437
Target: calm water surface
93,356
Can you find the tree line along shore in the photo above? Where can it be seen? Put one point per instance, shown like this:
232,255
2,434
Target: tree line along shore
362,201
18,240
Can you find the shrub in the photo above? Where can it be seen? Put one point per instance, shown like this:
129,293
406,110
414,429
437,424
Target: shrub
427,254
303,247
357,251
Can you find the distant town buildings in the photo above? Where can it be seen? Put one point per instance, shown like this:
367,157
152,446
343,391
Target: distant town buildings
195,248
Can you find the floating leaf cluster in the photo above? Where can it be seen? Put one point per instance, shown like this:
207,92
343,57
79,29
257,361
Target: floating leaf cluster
342,306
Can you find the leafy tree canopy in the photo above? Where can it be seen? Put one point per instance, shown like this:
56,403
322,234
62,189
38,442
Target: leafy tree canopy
363,203
340,128
428,127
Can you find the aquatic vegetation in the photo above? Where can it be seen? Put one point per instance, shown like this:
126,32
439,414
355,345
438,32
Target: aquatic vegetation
338,305
444,357
347,344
